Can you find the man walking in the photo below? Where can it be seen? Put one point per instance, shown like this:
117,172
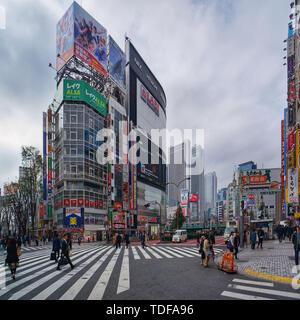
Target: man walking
56,246
296,242
260,234
65,252
253,239
236,244
118,241
143,240
127,240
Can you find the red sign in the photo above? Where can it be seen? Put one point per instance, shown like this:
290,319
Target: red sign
118,205
152,219
193,198
251,196
41,209
148,98
255,179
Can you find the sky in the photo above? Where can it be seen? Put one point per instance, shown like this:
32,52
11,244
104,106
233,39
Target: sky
220,63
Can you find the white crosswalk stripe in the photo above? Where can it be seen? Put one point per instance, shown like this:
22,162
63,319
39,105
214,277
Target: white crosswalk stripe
38,274
181,251
135,254
144,253
252,286
49,290
98,290
162,252
124,280
71,293
156,255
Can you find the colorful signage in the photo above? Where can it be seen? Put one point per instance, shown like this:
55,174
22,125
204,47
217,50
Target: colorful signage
79,90
184,196
44,156
117,62
150,100
73,217
79,34
193,198
293,185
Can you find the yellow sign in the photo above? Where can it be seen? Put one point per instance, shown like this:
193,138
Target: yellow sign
73,221
297,215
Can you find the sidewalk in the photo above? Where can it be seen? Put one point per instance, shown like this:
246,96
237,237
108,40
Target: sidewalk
274,262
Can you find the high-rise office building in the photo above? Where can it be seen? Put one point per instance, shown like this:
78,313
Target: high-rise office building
210,181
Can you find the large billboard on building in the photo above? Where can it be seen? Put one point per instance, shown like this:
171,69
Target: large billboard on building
79,90
261,176
81,35
293,185
117,62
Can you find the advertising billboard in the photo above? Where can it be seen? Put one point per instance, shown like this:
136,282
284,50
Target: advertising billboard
293,185
297,160
290,47
184,197
65,38
73,217
117,62
291,67
44,156
193,197
79,34
79,90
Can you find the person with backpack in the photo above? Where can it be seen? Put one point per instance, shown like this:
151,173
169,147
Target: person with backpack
260,235
296,243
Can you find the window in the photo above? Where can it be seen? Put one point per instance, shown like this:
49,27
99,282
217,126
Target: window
91,171
73,151
73,169
73,118
73,135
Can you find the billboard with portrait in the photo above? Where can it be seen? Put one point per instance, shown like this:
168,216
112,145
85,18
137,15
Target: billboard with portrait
81,35
117,62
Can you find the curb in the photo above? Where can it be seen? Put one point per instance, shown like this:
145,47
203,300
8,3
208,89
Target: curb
270,276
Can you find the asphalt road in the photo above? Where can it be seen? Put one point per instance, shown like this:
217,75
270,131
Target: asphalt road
158,272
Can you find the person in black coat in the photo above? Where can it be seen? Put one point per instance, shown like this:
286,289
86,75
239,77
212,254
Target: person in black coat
65,252
12,258
56,246
127,240
118,241
236,242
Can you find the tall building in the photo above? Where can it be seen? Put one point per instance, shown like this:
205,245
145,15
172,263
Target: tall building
178,171
210,181
197,179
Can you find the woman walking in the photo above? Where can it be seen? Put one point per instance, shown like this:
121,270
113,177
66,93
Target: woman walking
201,251
207,250
12,258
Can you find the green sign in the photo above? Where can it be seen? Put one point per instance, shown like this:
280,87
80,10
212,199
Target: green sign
50,211
79,90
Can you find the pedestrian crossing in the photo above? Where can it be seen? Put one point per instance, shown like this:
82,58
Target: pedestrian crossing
243,289
38,279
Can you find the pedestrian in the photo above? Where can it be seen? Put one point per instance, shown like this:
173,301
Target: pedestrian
118,241
260,234
127,240
201,251
65,252
143,240
279,232
79,241
24,240
12,258
212,242
296,243
207,250
230,243
36,241
198,239
245,238
253,238
19,242
44,240
69,240
236,243
56,246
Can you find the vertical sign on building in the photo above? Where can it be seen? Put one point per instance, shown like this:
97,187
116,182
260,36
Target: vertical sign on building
49,151
44,156
293,185
282,167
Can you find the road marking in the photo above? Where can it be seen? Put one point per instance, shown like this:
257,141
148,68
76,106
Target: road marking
38,274
162,252
144,253
72,292
171,252
242,296
99,289
154,253
268,291
57,284
135,254
188,252
43,280
181,252
124,279
266,284
269,276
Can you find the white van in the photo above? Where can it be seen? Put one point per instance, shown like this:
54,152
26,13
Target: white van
179,236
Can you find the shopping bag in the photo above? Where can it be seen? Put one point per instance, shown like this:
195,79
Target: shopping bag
19,252
52,255
63,261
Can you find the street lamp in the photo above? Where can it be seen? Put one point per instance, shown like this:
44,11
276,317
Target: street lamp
177,186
